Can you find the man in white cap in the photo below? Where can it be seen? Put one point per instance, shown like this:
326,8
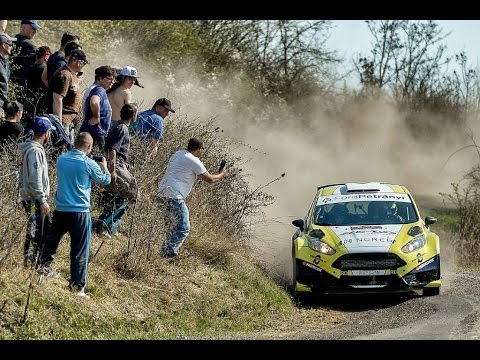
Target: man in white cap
120,93
6,43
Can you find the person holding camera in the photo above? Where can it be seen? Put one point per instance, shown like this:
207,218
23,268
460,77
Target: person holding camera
182,171
75,172
123,186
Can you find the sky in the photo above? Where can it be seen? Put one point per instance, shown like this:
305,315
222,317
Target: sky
350,37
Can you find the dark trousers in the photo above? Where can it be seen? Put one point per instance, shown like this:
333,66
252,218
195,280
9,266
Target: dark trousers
79,226
114,207
37,229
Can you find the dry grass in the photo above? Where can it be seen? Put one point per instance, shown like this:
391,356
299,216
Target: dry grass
212,288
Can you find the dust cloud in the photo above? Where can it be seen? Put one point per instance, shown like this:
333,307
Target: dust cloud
361,142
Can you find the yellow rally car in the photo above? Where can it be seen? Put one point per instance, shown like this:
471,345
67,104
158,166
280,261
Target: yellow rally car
364,238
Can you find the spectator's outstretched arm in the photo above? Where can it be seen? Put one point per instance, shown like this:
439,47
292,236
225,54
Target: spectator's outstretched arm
209,178
99,171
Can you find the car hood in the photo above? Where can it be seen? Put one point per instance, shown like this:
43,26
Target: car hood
366,238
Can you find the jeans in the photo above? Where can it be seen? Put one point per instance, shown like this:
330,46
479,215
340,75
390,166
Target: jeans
181,228
114,208
38,227
79,226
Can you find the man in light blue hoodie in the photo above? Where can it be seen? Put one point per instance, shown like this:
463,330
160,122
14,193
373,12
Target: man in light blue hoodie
75,171
35,187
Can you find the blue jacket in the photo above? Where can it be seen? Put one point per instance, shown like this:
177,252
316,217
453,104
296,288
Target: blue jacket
75,172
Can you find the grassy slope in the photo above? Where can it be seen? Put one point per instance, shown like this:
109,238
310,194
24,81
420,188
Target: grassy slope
172,299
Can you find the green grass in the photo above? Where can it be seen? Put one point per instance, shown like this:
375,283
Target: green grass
185,298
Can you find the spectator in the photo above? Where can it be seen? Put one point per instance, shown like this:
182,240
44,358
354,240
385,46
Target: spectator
98,112
75,171
116,199
182,170
58,58
34,73
10,129
120,93
150,123
63,94
35,187
24,52
6,44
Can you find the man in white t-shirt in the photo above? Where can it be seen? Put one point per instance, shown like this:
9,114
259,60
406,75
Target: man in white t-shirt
183,168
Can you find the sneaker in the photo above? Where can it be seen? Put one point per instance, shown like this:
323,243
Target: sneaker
103,233
79,291
82,293
47,271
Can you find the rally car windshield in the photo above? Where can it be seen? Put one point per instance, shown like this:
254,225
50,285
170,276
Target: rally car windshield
365,213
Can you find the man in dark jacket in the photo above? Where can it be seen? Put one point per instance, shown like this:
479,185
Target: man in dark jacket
25,49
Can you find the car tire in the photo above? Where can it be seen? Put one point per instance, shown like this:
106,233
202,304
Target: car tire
431,291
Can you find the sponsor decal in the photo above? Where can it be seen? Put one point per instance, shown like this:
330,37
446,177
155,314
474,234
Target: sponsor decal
424,264
367,272
311,266
381,237
331,199
419,257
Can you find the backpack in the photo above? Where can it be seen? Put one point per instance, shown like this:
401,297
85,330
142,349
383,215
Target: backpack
59,136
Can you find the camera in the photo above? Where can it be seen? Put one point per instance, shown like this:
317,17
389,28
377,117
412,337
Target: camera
222,165
97,158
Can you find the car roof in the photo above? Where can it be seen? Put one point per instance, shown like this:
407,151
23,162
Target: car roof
355,188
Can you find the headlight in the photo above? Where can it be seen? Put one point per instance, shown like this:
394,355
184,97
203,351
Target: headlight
320,246
414,244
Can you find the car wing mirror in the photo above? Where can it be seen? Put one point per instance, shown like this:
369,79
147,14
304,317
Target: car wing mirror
429,220
299,223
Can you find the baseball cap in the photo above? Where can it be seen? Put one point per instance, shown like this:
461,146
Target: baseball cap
42,124
132,72
34,23
7,39
167,104
43,50
79,54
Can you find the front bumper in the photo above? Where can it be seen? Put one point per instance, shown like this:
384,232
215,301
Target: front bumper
310,277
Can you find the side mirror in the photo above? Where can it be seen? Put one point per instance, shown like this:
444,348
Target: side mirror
299,223
429,220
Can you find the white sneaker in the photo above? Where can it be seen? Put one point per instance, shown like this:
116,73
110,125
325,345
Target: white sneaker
103,234
82,293
48,272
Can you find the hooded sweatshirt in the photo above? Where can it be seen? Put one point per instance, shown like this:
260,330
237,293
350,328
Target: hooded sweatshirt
34,182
